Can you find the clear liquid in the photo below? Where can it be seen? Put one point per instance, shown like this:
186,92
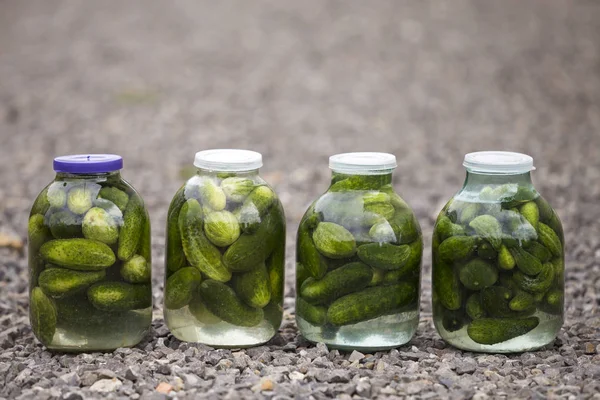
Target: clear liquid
543,334
382,333
185,327
126,330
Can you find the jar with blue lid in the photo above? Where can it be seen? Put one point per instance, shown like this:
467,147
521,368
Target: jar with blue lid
89,258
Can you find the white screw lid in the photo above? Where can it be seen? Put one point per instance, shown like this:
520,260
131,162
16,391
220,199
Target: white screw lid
498,162
365,163
228,160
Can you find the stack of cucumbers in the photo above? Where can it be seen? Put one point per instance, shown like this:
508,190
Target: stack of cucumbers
89,257
497,264
226,250
359,253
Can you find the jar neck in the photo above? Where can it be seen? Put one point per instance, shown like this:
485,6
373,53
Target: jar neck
383,179
225,174
101,175
476,179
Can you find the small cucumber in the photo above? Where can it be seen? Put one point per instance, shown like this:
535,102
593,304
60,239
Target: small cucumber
180,287
252,249
308,254
457,248
453,320
536,284
236,188
119,296
175,257
505,259
276,268
199,251
79,199
550,239
531,213
497,330
474,308
78,254
447,285
315,315
337,283
98,225
386,256
136,270
371,303
62,282
334,241
445,228
253,287
522,301
199,310
116,196
222,301
42,314
539,251
64,224
130,233
527,263
477,274
221,228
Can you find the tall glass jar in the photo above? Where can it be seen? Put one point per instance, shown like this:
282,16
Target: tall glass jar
359,259
89,258
498,260
225,256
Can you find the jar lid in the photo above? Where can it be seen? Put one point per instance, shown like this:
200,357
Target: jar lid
228,160
88,163
366,163
498,162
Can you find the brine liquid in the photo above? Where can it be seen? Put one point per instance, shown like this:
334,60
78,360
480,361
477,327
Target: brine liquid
543,334
382,333
185,327
126,330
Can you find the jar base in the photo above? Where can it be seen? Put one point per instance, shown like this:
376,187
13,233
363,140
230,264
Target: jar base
89,338
185,327
542,335
382,333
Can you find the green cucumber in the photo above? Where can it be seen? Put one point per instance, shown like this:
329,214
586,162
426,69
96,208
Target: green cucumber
62,282
371,303
130,233
386,256
42,314
350,278
119,296
492,331
78,254
253,287
180,287
222,301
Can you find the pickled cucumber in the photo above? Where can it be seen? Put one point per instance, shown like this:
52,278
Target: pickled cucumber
350,278
370,303
42,314
254,287
62,282
130,233
497,330
180,287
119,296
222,301
136,270
78,254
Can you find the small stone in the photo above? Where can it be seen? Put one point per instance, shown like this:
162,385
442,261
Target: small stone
296,376
132,374
356,356
164,388
178,384
106,385
191,380
71,379
380,366
589,348
363,389
466,367
73,396
105,373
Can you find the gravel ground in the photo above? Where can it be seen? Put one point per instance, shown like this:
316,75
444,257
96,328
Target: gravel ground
298,81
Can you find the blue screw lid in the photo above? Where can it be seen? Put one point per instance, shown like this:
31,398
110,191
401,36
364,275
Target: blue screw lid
88,163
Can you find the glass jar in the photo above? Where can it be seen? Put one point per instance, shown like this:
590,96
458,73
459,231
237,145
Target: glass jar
498,260
358,258
225,258
89,258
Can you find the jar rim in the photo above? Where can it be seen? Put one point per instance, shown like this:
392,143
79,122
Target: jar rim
371,163
498,162
228,160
